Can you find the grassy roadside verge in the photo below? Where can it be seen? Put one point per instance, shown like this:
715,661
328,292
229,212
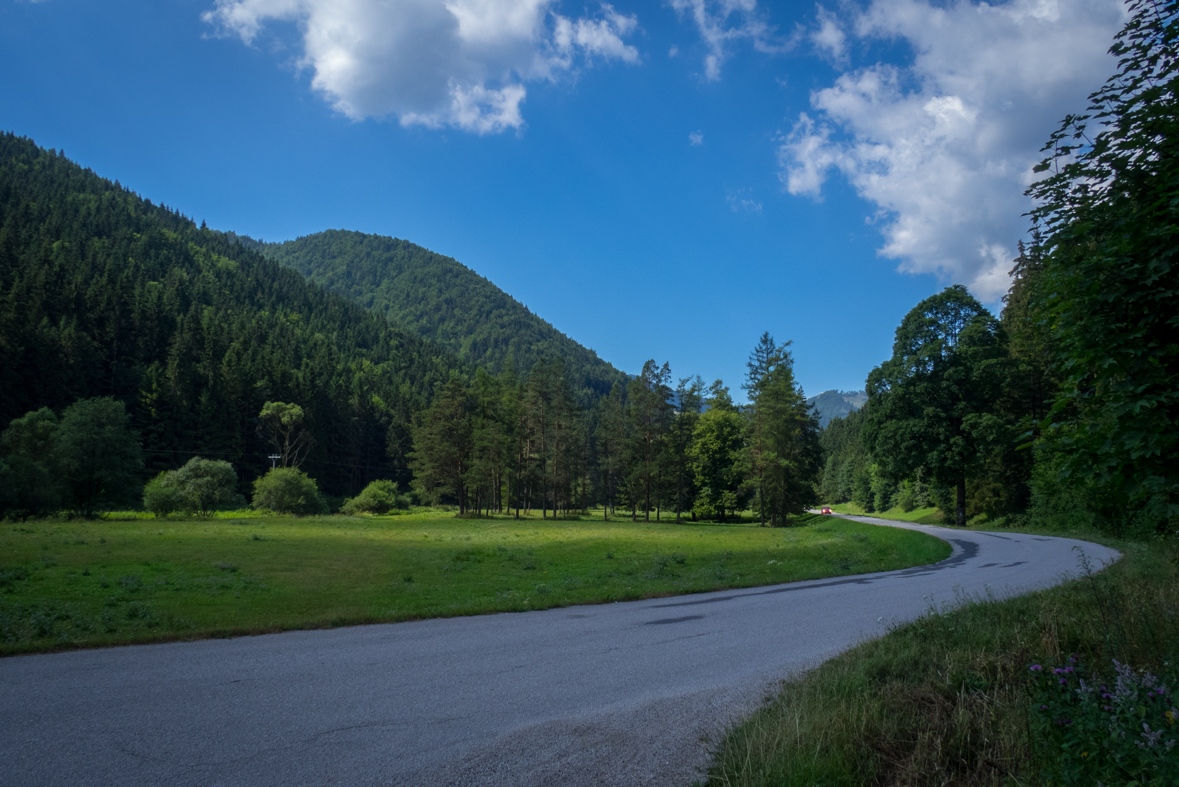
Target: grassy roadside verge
952,699
921,516
86,584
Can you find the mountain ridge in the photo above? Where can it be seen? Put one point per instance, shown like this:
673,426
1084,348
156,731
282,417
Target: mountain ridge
837,404
443,300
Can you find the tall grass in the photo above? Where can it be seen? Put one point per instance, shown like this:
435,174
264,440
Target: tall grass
946,699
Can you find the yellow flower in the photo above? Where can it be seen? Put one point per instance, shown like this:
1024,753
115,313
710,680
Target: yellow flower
1084,754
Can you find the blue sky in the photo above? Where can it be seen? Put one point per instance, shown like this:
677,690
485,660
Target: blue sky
657,180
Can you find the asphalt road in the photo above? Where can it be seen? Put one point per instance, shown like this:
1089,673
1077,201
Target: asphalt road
617,694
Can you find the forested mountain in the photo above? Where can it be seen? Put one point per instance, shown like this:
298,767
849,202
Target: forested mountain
443,300
103,293
837,404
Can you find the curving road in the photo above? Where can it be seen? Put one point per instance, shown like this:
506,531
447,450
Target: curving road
610,694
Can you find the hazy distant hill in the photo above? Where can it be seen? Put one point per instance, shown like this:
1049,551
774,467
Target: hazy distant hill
837,404
440,299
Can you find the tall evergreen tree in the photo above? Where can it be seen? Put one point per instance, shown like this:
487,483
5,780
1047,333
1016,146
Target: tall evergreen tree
611,443
442,442
784,446
689,397
649,411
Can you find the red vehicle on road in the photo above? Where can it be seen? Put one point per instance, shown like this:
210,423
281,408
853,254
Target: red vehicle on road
825,511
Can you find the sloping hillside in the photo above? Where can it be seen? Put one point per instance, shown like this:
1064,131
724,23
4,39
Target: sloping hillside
443,300
103,293
837,404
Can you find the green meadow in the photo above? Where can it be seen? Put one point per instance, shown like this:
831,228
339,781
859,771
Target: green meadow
123,580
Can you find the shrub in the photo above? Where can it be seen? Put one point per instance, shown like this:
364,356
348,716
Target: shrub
200,487
207,484
379,497
161,495
288,490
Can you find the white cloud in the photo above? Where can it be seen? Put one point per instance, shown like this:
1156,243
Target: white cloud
742,200
675,50
696,138
944,146
829,37
721,22
461,63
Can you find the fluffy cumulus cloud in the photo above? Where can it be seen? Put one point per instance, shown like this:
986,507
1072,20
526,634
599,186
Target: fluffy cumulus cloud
944,145
722,23
461,63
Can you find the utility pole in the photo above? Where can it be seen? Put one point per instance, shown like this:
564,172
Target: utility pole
272,457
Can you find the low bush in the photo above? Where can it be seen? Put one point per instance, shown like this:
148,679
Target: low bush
161,496
288,490
200,487
379,497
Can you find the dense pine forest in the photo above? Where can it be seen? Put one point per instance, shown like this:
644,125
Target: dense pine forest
103,294
443,300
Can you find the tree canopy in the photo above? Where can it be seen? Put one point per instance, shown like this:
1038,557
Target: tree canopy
931,407
1106,279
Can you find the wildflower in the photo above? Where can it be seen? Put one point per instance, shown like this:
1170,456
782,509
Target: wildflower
1057,671
1035,668
1063,681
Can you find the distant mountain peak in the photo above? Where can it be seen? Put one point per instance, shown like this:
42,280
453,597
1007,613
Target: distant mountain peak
837,404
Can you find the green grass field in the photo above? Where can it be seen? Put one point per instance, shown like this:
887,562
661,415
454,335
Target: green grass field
85,584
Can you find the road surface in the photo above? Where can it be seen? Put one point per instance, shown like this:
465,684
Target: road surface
613,694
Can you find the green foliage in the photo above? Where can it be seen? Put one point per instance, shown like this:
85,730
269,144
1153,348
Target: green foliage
442,445
649,415
846,458
161,495
280,423
104,293
379,497
718,456
98,455
1106,285
443,300
933,406
681,487
30,485
205,485
783,445
288,490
